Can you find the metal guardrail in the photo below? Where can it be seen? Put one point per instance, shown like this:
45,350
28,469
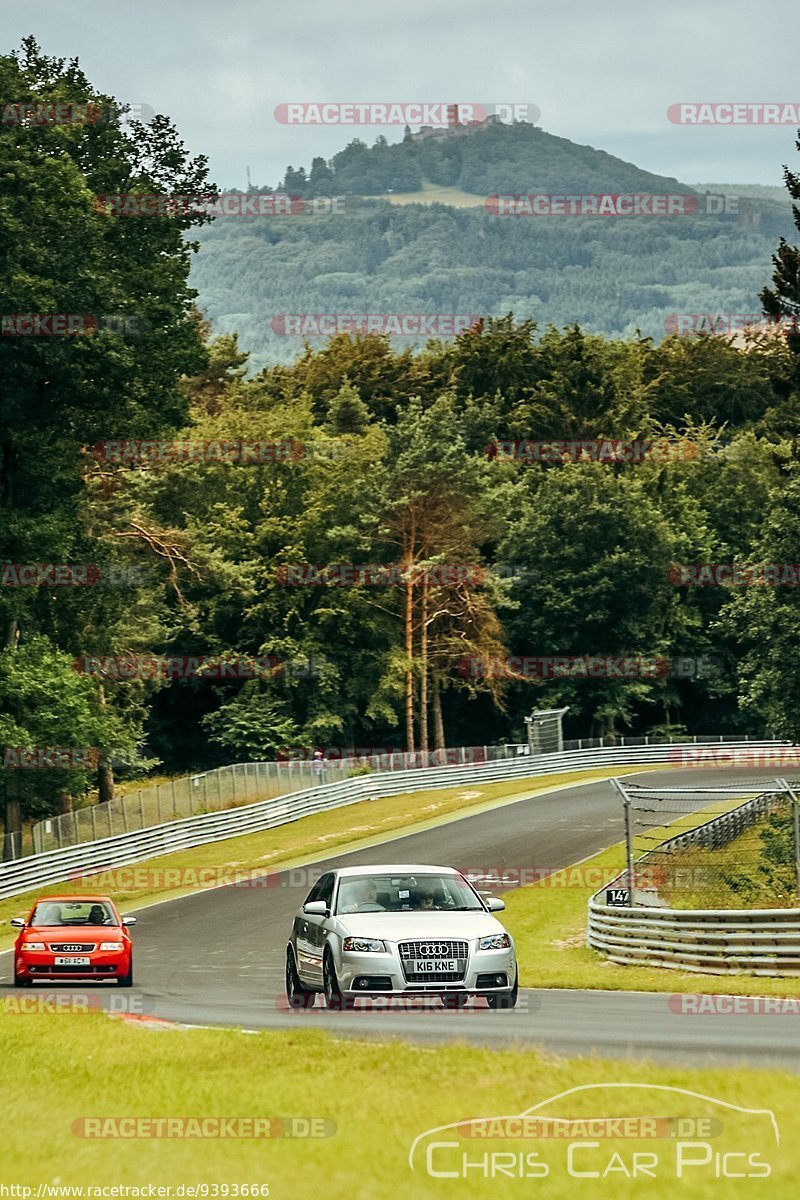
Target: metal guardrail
229,786
708,941
727,941
126,848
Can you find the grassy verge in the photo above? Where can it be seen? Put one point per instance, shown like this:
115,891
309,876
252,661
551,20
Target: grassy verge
299,842
754,870
380,1099
548,920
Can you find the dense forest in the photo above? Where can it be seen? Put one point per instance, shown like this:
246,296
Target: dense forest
614,276
368,546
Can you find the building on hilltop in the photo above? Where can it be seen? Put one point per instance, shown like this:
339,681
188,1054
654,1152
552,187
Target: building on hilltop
454,126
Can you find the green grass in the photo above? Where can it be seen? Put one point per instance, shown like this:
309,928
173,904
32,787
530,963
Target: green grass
300,842
741,874
434,193
548,920
381,1097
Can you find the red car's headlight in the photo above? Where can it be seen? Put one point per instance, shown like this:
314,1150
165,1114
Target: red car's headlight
112,946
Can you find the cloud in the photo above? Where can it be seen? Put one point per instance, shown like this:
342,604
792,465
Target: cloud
600,75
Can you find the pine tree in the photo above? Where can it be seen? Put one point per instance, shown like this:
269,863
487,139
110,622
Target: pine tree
782,300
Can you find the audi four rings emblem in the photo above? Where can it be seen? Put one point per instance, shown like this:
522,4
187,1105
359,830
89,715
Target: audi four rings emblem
433,948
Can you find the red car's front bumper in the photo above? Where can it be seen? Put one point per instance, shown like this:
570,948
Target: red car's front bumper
106,964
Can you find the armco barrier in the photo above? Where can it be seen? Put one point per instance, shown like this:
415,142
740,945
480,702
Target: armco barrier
232,786
707,941
121,850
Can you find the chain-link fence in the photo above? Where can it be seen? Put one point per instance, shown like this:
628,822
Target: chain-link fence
736,846
227,787
244,783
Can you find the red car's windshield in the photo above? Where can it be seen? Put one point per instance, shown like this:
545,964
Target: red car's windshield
73,912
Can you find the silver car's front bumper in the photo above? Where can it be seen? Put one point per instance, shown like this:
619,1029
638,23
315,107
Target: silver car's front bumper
381,973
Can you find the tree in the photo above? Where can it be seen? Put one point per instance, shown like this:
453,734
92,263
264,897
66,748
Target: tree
782,300
119,378
762,620
46,706
347,412
254,726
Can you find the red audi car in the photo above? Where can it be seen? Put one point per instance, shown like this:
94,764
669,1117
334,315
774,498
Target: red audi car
73,937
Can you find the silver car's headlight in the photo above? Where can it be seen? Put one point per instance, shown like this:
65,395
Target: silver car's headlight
498,941
363,945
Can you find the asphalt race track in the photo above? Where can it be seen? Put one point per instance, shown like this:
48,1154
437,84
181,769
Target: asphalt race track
216,957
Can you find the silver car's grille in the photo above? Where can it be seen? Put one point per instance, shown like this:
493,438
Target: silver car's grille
72,947
433,948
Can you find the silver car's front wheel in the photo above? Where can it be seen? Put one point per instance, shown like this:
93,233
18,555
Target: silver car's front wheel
333,996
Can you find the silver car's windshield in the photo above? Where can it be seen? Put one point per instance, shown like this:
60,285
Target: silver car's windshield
406,893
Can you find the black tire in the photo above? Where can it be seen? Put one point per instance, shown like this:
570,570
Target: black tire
21,980
505,999
333,996
126,981
297,995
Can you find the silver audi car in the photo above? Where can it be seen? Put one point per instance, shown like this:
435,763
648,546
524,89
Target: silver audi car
399,931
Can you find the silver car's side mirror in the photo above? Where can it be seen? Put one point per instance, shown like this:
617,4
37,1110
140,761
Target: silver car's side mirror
18,922
315,908
129,920
494,903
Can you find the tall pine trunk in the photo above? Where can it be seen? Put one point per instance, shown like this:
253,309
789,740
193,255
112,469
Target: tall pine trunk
409,632
12,842
436,706
423,683
105,771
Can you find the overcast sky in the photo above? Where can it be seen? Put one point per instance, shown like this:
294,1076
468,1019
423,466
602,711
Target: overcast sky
602,74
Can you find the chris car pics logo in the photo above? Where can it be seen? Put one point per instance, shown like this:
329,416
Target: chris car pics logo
605,1131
